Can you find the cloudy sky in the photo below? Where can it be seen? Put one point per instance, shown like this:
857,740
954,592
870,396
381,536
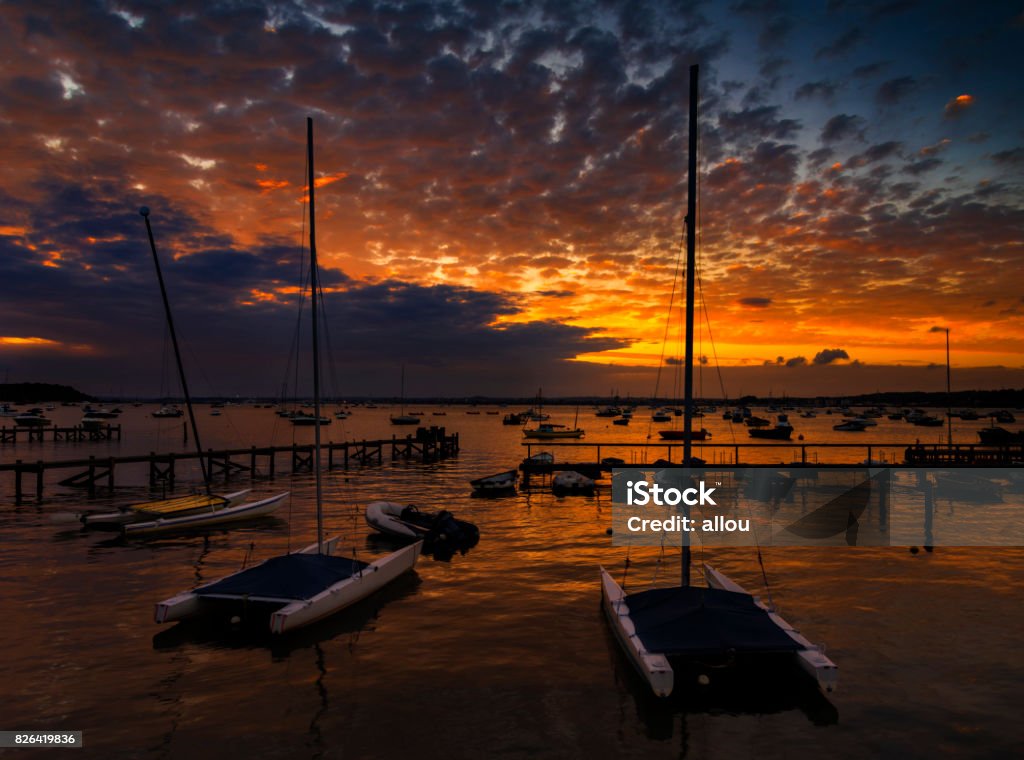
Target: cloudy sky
501,188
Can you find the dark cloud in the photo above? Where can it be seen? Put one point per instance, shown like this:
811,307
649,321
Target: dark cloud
755,302
843,127
870,69
796,361
841,45
875,153
823,89
829,355
1013,157
761,122
895,90
923,166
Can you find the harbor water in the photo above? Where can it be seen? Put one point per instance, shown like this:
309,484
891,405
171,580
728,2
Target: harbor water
500,652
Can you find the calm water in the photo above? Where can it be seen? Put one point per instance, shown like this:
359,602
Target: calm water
500,652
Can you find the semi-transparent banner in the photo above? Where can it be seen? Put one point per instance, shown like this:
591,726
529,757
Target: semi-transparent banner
818,506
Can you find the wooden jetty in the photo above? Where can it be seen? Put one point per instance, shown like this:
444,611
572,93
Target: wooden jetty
426,445
969,455
76,433
792,454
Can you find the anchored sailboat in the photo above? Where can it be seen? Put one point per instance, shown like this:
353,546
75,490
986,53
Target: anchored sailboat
183,512
403,418
293,590
722,621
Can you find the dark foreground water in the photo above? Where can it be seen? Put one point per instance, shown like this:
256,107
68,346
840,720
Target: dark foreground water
502,652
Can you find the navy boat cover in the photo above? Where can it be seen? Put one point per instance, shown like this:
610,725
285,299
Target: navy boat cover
290,577
693,620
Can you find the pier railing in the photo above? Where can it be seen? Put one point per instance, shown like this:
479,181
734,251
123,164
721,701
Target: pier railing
799,453
427,445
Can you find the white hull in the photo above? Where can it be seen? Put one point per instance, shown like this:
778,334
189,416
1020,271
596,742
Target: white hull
384,516
206,519
654,667
347,592
333,599
811,658
129,515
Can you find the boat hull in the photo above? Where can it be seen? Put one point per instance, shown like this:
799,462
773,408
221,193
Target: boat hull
347,592
653,667
202,520
132,513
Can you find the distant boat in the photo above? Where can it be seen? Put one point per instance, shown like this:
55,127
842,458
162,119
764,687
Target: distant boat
303,419
403,418
621,421
31,420
851,426
680,435
997,436
513,419
661,416
548,430
608,411
541,457
781,431
168,411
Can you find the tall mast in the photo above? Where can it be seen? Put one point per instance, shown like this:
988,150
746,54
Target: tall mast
314,288
691,224
177,354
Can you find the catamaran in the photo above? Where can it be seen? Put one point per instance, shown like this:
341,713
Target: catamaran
296,589
719,622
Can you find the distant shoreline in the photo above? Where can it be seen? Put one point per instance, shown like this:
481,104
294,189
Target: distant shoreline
19,393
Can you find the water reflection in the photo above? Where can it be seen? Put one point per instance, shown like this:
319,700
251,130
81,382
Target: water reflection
220,632
766,687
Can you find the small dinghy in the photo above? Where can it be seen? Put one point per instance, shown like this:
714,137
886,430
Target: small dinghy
438,530
571,482
495,485
542,457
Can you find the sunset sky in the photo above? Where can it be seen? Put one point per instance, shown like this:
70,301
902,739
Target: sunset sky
501,192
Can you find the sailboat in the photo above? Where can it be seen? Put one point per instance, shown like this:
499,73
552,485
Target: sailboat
403,418
296,589
190,512
721,621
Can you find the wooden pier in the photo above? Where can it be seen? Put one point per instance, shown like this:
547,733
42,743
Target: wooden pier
77,433
807,455
426,446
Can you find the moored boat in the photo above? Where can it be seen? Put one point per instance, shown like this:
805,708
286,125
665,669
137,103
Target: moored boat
500,483
208,518
571,482
549,430
437,530
781,431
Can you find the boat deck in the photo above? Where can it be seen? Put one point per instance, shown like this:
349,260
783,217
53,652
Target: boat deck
288,578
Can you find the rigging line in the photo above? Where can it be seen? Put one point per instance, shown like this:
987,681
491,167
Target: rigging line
668,326
331,364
